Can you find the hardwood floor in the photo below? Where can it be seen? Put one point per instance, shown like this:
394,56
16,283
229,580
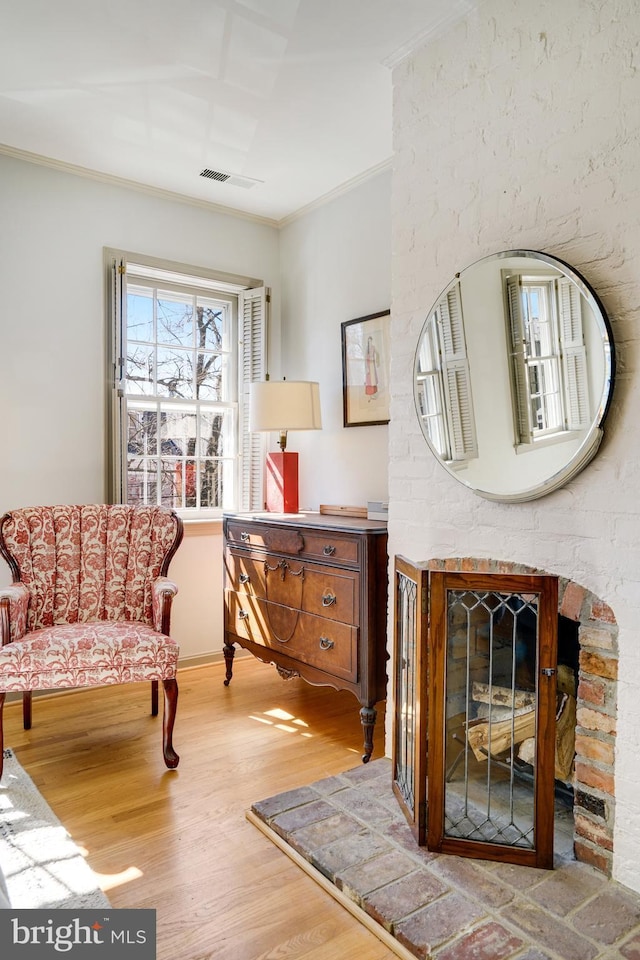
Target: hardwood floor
178,841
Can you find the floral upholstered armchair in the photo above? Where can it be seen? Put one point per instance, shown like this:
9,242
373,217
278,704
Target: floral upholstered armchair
90,603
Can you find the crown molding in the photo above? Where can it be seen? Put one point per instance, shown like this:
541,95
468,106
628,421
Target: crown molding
458,11
337,192
159,192
163,194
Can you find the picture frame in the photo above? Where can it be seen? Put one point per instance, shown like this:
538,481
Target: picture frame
365,369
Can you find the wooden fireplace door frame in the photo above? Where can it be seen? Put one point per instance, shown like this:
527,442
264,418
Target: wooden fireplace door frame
409,756
425,811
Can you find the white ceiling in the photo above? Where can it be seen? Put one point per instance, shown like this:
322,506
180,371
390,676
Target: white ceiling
294,94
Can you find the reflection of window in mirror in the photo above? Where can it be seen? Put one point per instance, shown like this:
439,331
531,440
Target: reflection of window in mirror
549,371
443,384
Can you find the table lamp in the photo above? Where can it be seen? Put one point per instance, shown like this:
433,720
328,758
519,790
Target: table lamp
278,406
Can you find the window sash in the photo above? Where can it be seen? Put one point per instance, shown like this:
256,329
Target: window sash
237,472
560,361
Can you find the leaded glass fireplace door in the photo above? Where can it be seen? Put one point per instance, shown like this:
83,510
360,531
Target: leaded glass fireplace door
410,690
492,688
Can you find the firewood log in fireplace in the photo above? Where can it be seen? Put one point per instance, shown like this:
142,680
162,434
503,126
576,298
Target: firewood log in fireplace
507,718
565,739
495,736
502,696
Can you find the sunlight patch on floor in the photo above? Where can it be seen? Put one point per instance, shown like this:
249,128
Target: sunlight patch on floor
289,723
108,881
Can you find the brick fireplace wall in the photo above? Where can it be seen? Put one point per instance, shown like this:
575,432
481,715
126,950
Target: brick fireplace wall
517,127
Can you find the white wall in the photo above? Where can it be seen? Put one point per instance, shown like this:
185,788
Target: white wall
54,226
336,266
520,129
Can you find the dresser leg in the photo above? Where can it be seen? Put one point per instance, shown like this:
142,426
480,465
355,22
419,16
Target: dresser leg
368,718
229,651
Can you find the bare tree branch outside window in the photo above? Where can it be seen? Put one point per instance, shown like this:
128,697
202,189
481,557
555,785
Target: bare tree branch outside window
176,367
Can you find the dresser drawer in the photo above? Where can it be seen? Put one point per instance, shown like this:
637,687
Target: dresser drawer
287,540
324,591
328,545
315,641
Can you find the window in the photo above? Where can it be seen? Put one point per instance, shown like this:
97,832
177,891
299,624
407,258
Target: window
550,384
185,346
443,387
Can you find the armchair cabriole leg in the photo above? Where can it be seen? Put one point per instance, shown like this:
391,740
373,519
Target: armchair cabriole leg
171,758
26,709
154,698
2,696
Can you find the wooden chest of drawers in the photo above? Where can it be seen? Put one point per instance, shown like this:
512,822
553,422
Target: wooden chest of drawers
309,594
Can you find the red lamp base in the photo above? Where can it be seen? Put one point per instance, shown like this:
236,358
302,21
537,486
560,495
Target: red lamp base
282,482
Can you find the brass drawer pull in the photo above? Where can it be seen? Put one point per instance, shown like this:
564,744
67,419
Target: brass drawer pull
244,578
328,599
329,550
326,644
244,536
242,614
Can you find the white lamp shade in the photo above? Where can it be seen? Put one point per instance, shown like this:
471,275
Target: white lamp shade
284,405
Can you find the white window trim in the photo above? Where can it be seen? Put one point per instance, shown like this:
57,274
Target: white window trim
248,494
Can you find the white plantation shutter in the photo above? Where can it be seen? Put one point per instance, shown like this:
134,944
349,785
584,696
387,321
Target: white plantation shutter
252,324
455,376
574,356
522,413
116,412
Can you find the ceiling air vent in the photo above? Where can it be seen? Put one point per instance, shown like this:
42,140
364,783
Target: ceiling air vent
214,174
232,179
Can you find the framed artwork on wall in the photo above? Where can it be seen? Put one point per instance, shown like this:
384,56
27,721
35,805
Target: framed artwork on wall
365,370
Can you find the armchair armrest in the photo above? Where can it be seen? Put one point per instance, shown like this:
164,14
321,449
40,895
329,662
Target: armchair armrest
14,603
163,591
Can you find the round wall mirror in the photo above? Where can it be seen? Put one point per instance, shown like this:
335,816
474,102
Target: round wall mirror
513,375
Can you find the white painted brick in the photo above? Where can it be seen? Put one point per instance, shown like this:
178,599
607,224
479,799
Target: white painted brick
519,128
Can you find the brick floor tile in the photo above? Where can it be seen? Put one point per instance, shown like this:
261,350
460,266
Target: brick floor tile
520,878
631,949
396,900
610,916
361,804
563,891
549,932
423,931
303,815
488,942
347,851
363,878
371,770
380,792
466,875
272,806
321,833
330,785
400,833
